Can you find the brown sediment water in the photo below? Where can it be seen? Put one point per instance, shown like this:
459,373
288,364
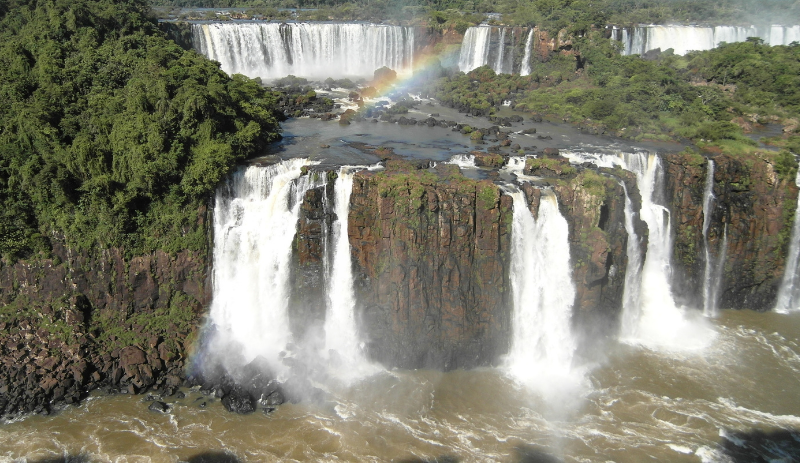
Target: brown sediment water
641,405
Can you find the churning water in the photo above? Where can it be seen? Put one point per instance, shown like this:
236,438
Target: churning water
739,393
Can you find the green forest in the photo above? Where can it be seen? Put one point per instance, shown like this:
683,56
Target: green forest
110,134
696,97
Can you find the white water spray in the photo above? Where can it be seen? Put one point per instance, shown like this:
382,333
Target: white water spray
789,293
252,253
342,340
542,344
462,160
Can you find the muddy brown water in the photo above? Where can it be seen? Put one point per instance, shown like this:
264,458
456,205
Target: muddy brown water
640,405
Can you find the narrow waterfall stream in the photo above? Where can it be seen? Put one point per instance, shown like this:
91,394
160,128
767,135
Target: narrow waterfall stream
342,340
631,298
789,293
526,58
709,274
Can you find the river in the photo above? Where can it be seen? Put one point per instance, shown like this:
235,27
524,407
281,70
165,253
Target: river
640,405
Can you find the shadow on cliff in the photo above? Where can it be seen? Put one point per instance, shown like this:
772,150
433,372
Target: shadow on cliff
761,446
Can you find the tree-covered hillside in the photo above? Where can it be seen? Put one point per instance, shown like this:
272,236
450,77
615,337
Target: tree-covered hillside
110,134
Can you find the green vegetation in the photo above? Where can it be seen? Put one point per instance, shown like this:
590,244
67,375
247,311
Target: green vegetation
705,96
111,135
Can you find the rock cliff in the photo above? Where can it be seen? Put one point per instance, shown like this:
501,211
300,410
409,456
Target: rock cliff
431,259
73,322
754,207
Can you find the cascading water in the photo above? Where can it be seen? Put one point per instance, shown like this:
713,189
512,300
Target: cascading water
486,45
271,50
662,324
498,64
789,293
542,344
709,274
659,322
526,58
475,48
341,330
631,298
683,39
462,160
252,253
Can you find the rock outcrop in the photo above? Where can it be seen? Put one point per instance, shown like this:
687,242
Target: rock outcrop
754,207
430,257
73,323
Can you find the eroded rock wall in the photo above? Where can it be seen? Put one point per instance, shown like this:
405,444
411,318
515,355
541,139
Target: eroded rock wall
753,203
431,253
76,322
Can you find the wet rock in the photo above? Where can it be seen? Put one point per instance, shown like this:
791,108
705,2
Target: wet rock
158,406
239,401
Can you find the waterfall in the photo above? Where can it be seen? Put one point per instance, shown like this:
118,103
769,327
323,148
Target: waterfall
709,304
526,58
658,322
542,344
501,48
479,49
789,292
662,324
475,48
683,39
341,331
319,50
631,297
252,253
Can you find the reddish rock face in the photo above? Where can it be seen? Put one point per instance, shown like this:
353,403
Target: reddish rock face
76,318
430,258
757,208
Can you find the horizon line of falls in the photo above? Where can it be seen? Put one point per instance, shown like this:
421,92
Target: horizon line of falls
543,294
255,219
651,317
316,50
638,40
788,299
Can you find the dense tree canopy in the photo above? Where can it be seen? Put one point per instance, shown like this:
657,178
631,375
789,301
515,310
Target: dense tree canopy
111,135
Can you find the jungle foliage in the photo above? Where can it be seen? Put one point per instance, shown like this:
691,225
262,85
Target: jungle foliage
111,135
698,96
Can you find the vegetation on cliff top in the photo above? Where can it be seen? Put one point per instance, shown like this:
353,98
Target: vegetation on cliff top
705,96
111,135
